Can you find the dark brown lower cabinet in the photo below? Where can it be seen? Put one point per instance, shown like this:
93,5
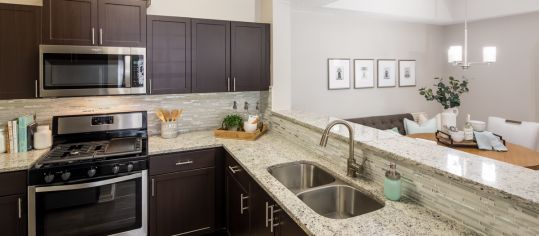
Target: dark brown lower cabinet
237,207
184,193
183,202
12,215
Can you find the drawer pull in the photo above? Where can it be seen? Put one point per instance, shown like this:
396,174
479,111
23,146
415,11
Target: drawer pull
234,169
181,163
243,208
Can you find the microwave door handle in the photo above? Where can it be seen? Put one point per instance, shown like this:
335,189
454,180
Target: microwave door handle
127,71
87,185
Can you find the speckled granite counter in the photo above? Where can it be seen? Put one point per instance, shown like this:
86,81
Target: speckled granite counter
396,218
19,161
500,178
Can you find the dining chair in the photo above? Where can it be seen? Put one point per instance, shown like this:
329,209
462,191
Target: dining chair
518,132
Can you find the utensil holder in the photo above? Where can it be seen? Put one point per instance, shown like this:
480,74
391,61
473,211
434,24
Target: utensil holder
169,129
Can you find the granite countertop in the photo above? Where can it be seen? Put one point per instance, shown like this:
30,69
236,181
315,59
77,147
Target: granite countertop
396,218
495,177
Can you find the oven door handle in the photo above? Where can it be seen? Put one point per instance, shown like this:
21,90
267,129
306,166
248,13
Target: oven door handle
127,71
87,185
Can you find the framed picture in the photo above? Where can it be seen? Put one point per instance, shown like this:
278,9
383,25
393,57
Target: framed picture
406,73
387,70
364,73
338,73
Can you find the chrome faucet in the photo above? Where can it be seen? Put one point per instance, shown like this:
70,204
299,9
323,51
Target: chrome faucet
353,169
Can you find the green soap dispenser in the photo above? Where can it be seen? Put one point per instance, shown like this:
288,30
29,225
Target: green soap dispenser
392,183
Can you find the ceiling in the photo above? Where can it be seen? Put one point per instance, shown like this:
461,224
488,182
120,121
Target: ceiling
440,12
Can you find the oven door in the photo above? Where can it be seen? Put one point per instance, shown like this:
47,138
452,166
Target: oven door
115,206
89,71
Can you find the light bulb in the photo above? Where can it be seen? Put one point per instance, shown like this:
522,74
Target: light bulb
489,54
454,54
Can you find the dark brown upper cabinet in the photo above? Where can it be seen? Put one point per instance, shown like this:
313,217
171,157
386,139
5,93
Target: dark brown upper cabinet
250,62
19,50
169,55
122,23
95,22
210,56
71,22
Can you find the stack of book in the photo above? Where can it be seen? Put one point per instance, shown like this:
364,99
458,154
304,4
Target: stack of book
20,134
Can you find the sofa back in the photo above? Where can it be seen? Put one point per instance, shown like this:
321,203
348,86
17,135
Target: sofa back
384,122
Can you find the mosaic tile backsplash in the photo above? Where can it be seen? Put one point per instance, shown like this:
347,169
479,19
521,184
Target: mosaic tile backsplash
200,111
483,213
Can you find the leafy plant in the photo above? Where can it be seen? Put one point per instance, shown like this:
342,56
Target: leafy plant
232,121
446,94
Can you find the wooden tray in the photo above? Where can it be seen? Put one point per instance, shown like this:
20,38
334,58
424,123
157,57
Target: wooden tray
241,135
445,139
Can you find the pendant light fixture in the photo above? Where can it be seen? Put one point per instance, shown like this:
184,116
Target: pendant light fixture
455,53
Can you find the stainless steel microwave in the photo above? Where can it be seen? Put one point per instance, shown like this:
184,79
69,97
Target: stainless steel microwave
67,71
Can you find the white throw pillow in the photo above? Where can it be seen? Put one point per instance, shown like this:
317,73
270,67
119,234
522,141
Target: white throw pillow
413,127
422,118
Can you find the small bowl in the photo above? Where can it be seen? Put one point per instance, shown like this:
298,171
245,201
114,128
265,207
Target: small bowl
457,136
249,128
478,126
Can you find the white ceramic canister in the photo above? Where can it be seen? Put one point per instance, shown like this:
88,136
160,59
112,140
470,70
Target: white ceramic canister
2,141
43,137
169,129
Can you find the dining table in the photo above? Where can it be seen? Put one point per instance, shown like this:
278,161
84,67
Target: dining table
516,154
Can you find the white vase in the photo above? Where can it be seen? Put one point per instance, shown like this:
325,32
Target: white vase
449,118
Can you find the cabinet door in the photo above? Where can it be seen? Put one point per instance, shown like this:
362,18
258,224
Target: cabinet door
287,226
210,56
122,23
19,50
249,60
237,208
71,22
261,204
169,54
183,202
12,215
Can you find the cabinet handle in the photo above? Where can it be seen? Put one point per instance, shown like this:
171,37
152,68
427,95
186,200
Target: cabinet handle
93,36
242,208
181,163
150,84
234,169
153,187
228,83
100,36
234,84
267,210
35,88
272,217
20,208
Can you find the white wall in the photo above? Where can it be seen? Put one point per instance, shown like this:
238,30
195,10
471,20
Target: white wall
24,2
507,88
317,36
281,90
236,10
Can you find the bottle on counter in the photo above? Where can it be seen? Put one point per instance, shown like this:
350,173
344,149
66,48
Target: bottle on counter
43,137
468,129
392,183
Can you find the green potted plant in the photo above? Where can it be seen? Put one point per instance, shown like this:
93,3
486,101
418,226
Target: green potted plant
448,95
232,122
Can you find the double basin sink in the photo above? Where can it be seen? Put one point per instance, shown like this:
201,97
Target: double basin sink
322,191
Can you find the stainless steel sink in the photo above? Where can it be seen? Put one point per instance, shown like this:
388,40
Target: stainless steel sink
339,201
322,192
299,176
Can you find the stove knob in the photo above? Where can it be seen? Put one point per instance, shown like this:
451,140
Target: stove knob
66,175
91,172
129,167
115,169
49,178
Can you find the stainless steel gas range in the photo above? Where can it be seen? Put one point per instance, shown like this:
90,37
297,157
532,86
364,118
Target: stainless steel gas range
93,181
